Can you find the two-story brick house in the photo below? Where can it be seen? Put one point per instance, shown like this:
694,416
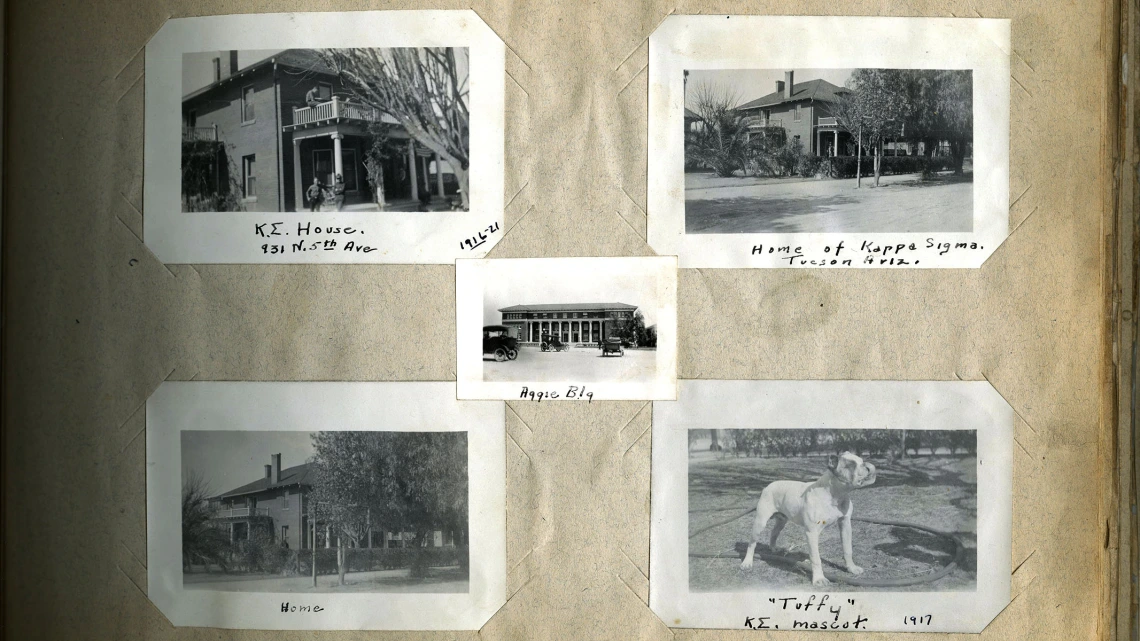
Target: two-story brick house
804,111
272,141
277,505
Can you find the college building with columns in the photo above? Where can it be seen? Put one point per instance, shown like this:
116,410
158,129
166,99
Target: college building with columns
569,322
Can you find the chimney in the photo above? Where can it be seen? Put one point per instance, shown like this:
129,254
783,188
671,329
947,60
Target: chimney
779,86
268,471
233,61
788,82
276,468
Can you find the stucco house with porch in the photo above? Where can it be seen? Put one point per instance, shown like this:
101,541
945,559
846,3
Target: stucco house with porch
805,111
272,141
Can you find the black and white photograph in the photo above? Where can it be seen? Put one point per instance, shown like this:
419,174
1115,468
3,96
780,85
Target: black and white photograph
811,141
828,150
890,497
605,325
327,512
877,510
357,137
326,130
372,506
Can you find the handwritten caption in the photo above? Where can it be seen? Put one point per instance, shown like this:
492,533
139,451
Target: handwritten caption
296,609
812,613
573,392
479,238
312,237
867,253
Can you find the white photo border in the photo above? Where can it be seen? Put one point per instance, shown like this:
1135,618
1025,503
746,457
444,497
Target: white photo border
938,405
795,42
470,279
308,407
398,237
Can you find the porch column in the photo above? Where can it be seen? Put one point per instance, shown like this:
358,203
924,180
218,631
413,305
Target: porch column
412,169
298,187
427,185
835,149
338,162
818,140
439,175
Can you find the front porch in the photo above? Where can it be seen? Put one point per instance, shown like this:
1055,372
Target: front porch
831,139
333,138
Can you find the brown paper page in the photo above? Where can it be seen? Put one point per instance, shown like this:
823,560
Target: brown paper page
95,323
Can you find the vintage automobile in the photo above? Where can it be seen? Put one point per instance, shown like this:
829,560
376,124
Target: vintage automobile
551,343
497,340
613,345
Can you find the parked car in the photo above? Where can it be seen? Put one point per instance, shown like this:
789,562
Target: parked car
613,346
497,340
551,343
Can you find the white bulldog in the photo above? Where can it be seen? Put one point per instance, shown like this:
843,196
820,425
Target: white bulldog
814,506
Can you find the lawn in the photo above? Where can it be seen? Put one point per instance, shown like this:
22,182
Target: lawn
900,204
446,580
938,492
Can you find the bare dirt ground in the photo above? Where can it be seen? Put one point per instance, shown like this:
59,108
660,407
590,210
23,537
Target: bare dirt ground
939,492
440,580
900,204
580,365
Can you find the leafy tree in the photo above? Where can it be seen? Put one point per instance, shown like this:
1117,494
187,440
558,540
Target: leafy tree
881,106
201,541
424,89
209,178
722,143
942,108
633,329
408,481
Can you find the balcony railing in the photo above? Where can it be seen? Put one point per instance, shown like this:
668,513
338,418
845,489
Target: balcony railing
194,134
828,122
333,110
758,122
238,512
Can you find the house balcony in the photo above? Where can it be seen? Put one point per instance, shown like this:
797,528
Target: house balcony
829,123
333,111
241,512
200,134
760,122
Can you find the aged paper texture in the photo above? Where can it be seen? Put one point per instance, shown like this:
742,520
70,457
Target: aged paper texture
95,322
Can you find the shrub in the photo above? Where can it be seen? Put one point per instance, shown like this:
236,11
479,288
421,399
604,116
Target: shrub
260,553
809,165
372,559
844,166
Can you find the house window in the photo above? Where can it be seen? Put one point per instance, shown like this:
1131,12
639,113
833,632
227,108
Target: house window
248,179
798,116
217,69
192,118
247,104
285,501
324,91
285,535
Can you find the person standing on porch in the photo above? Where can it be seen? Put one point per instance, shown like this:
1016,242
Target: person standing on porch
338,192
315,194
